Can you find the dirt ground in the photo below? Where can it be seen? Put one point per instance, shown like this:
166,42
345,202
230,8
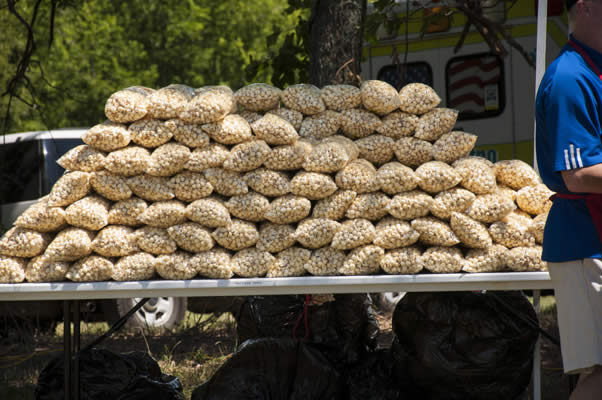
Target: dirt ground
193,355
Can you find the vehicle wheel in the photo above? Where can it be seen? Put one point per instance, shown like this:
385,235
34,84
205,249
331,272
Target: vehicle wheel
159,313
388,300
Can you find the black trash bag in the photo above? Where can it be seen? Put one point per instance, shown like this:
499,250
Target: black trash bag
272,369
107,375
342,329
466,345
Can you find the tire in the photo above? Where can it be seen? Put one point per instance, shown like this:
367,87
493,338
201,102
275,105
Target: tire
158,314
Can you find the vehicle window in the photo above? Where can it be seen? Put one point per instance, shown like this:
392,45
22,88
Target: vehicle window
475,85
54,149
399,76
21,167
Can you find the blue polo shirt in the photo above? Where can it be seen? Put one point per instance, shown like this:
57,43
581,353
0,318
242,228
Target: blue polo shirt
568,112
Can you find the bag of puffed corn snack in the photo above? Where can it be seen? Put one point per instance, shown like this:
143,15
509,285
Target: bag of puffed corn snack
437,176
135,267
190,186
534,199
455,199
40,269
288,157
70,187
379,97
289,262
364,260
314,233
471,233
453,146
370,206
392,233
378,149
516,174
210,156
358,123
150,133
126,212
108,136
325,261
250,206
69,245
413,152
170,101
320,125
526,259
334,206
210,212
155,240
252,263
402,261
410,205
353,233
418,98
432,125
213,264
175,266
312,185
22,242
512,233
268,182
12,269
258,97
90,269
191,236
247,156
91,212
128,105
209,104
191,135
82,158
341,97
359,175
41,217
394,178
274,130
237,235
275,237
304,98
129,161
434,232
537,227
491,259
164,214
110,185
397,125
226,183
168,159
477,174
288,209
330,155
490,208
233,129
442,260
115,241
295,118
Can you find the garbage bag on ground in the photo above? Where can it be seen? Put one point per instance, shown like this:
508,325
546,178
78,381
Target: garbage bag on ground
107,375
273,369
341,329
466,345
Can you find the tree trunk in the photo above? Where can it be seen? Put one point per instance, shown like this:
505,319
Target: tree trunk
336,29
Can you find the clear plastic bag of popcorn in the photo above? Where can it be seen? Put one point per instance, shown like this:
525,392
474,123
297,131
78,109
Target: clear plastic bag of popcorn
128,105
437,176
303,97
490,259
191,236
330,155
289,262
175,266
152,188
442,260
432,125
90,269
398,124
82,158
434,232
109,185
288,157
402,261
413,152
107,136
168,159
490,207
22,242
237,235
247,156
170,101
190,186
191,135
379,97
275,237
268,182
129,161
252,263
320,125
163,214
526,259
341,97
150,133
250,206
358,123
274,130
210,212
69,245
295,118
370,206
313,185
325,262
126,212
211,156
353,233
512,233
115,241
12,269
334,206
233,129
378,149
41,217
537,227
515,174
410,205
135,267
288,209
70,187
209,104
40,269
213,264
314,233
359,175
505,191
393,233
418,98
453,146
258,97
477,174
471,233
534,199
155,240
519,216
455,199
394,178
252,116
91,212
226,183
364,260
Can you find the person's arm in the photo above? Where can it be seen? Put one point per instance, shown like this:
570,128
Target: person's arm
584,180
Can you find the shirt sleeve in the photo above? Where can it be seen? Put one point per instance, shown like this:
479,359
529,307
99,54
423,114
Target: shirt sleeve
572,122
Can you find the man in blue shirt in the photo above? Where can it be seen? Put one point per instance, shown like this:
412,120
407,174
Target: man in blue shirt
569,157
